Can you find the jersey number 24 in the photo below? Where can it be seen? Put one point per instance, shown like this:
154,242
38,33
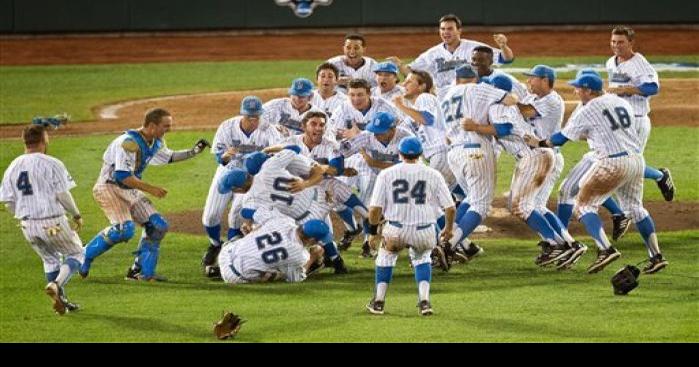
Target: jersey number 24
402,187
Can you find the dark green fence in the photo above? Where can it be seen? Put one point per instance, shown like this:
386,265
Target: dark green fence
42,16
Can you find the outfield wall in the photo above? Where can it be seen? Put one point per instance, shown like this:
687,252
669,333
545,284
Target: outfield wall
57,16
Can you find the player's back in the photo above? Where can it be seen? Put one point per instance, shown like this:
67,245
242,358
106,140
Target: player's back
477,100
453,104
32,182
411,193
609,125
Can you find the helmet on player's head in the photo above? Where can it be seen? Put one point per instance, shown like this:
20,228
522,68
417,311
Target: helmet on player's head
587,71
301,87
254,161
251,106
588,81
410,145
381,122
500,82
465,71
318,230
542,71
386,67
232,179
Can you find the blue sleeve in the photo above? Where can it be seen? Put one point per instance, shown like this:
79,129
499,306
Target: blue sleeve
502,60
648,89
339,164
120,176
558,139
294,148
218,158
247,213
503,129
429,118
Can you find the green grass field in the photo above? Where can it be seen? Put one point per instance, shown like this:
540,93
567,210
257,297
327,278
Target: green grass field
502,296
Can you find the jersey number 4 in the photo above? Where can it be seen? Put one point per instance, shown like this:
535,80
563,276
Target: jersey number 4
401,187
23,184
274,255
622,114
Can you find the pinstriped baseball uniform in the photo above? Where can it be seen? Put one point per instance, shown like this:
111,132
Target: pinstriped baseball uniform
330,104
121,204
634,72
612,133
452,105
31,183
441,63
388,96
518,89
281,112
366,71
230,135
533,167
412,196
273,247
550,109
472,158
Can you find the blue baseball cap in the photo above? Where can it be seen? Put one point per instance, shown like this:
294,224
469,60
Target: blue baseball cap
588,81
301,87
318,230
465,71
254,161
410,145
542,71
381,122
251,106
231,179
587,71
386,67
500,82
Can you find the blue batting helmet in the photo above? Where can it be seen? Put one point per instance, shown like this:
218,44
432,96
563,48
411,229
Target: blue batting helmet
254,161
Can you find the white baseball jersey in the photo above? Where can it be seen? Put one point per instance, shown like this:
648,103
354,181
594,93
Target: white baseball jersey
345,115
609,125
126,154
518,89
388,96
31,183
452,104
550,109
514,142
373,147
432,137
477,99
273,247
281,112
231,135
441,63
366,71
633,72
328,105
411,194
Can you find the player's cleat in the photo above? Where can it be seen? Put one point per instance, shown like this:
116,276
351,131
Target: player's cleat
367,252
316,267
666,185
656,263
375,307
346,241
211,255
439,259
550,253
621,225
339,265
465,254
579,249
134,273
213,272
425,308
604,258
60,302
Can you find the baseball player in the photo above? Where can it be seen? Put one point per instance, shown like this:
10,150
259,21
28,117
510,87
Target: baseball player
531,174
377,147
387,81
441,60
275,250
633,78
607,122
482,60
235,137
120,192
286,113
353,64
36,190
327,97
410,197
472,160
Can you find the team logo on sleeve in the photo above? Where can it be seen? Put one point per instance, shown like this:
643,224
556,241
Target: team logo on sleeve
303,8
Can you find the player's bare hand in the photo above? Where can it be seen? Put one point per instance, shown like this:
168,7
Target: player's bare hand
500,39
158,192
398,101
283,130
350,172
446,235
230,152
375,241
531,140
395,60
77,224
297,186
622,91
469,125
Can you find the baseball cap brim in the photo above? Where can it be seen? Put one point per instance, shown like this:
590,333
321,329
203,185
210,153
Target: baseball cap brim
376,129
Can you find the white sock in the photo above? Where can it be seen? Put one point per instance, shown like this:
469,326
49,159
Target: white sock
381,291
424,290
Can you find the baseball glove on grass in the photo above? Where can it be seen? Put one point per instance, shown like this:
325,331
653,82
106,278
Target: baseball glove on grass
228,326
625,280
